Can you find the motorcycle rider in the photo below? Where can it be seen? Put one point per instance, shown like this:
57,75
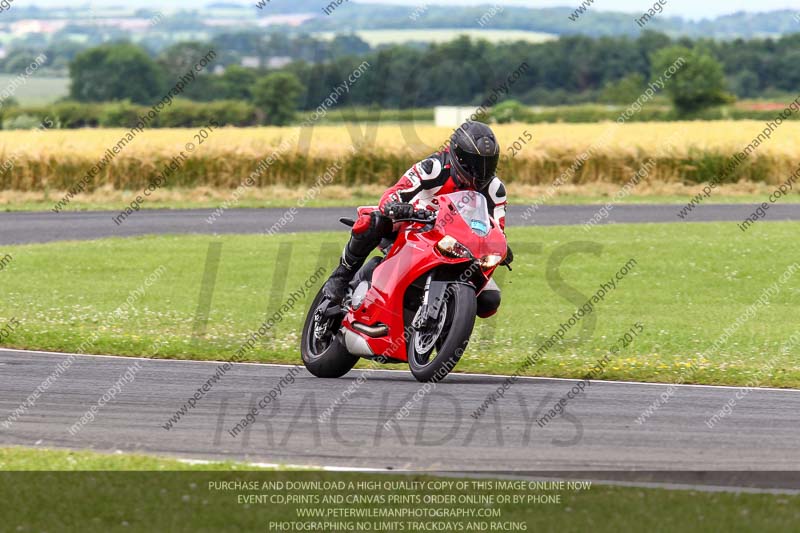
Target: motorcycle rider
468,163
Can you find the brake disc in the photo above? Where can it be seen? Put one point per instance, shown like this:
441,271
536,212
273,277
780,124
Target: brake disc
425,338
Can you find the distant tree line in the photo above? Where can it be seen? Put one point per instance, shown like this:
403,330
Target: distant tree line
571,70
567,71
461,72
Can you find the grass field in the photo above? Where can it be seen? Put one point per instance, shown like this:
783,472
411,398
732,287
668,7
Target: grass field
682,153
443,35
37,89
690,283
172,496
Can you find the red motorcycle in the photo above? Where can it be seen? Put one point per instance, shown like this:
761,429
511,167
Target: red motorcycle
418,303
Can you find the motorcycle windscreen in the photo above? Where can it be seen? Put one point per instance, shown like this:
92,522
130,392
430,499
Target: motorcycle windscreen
472,207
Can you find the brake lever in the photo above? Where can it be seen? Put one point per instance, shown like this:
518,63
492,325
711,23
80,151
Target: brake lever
420,220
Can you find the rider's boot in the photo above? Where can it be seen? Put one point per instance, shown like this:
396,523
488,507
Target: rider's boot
366,235
336,286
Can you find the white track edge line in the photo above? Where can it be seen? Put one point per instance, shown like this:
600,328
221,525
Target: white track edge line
620,483
291,466
466,374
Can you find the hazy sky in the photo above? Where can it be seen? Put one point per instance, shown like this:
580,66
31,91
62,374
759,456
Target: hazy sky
686,8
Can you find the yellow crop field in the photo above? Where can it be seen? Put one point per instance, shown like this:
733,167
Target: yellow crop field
333,140
690,152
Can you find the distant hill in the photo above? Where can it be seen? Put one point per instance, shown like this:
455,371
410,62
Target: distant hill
595,22
353,16
554,21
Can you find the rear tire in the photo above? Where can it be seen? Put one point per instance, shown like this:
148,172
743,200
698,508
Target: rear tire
460,310
324,358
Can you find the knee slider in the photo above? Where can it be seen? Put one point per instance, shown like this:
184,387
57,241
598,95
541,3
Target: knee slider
488,303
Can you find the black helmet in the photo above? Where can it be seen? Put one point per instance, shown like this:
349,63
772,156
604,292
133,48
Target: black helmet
475,153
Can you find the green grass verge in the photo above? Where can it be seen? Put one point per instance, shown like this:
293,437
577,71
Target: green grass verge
363,199
169,498
678,200
691,282
36,460
245,203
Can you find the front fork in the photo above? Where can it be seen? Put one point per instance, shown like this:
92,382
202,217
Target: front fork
433,297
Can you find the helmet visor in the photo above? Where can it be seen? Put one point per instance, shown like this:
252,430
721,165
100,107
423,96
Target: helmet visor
480,168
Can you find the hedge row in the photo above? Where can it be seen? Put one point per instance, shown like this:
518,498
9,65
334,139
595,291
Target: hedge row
516,112
181,114
133,172
188,114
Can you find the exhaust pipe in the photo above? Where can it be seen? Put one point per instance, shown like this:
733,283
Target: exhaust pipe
380,330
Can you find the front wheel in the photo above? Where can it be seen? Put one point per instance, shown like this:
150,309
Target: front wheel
434,350
323,353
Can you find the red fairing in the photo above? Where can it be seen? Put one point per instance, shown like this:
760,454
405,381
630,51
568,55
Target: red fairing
364,219
413,255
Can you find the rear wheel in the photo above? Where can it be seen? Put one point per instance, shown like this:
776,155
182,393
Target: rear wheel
434,350
323,353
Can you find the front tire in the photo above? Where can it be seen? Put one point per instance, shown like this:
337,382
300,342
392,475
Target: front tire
452,335
323,353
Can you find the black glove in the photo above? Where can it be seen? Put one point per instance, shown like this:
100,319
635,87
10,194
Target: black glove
397,210
509,257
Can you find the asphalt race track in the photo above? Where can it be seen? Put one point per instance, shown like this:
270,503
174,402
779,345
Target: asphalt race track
22,228
438,434
755,447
